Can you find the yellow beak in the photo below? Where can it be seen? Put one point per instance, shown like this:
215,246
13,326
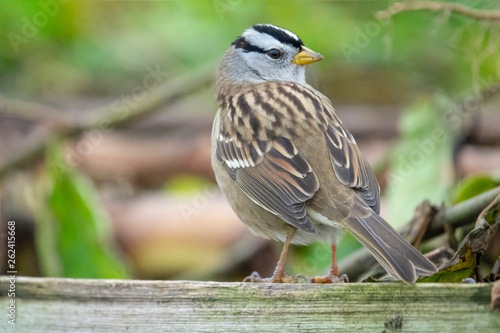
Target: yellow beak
306,56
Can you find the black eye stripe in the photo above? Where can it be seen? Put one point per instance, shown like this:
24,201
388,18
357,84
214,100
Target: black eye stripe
241,43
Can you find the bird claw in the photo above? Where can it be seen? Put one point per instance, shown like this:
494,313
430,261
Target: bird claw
330,279
254,277
276,278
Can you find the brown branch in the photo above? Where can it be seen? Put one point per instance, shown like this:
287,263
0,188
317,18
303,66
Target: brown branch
32,111
106,116
478,14
481,220
462,213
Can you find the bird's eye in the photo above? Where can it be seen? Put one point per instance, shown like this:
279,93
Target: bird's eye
274,53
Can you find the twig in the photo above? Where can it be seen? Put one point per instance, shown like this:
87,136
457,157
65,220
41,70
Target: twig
478,239
165,93
32,111
482,217
417,226
478,14
462,213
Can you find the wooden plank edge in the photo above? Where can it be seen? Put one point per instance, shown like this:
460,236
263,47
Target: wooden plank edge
86,305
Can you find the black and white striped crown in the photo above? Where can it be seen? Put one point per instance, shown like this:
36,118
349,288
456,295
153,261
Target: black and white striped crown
254,38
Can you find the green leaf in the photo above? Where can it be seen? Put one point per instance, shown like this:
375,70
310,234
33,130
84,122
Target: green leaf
472,186
457,273
73,231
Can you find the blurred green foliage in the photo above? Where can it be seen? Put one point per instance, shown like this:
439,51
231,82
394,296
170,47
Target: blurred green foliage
55,47
73,232
421,163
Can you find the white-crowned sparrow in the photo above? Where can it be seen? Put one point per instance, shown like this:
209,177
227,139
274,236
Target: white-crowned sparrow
286,164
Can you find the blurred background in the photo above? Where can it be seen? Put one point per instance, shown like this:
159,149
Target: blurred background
106,110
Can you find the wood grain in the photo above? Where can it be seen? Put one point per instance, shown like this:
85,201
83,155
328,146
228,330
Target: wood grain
80,305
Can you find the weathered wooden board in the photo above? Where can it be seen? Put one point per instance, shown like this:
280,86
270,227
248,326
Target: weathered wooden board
80,305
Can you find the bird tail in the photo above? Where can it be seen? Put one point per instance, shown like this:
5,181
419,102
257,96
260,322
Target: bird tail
392,251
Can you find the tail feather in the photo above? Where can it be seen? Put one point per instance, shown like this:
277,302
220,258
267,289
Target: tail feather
392,251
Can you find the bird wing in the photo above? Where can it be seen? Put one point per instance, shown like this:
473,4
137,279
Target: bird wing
273,175
351,167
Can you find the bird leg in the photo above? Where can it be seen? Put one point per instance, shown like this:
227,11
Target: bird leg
279,275
333,275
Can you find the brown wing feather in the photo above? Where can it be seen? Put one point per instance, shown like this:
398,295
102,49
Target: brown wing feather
280,180
351,167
